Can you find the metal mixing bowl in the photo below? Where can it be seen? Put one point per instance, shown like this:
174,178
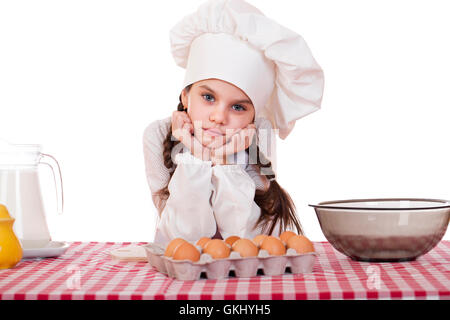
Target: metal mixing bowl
376,230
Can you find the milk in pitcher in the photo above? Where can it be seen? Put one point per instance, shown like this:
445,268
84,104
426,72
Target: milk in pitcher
20,192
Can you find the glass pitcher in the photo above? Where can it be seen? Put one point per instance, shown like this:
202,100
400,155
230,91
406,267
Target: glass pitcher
20,191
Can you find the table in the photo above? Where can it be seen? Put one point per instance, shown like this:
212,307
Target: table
85,271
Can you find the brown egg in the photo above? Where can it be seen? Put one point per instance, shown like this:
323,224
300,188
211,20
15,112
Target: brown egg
259,239
274,246
245,247
217,249
300,244
286,235
202,241
231,239
186,251
172,246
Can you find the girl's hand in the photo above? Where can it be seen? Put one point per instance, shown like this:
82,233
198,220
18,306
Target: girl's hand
239,141
183,129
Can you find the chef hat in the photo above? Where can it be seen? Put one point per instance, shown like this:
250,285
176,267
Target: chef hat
233,41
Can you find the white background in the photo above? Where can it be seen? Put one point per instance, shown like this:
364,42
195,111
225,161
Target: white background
84,79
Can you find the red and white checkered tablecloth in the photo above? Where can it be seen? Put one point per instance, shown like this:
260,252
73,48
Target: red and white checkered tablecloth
86,271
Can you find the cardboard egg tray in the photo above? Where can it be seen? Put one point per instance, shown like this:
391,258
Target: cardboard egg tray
221,268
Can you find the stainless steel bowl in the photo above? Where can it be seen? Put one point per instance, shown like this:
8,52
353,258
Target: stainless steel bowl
377,230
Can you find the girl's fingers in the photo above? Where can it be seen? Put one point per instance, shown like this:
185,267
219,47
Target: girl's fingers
181,123
182,134
249,138
179,118
193,144
189,127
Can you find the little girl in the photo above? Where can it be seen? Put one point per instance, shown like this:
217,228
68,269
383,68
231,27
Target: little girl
211,165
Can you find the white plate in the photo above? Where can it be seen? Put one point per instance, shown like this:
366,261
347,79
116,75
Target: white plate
50,249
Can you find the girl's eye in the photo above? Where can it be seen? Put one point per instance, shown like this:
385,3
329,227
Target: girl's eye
207,96
241,108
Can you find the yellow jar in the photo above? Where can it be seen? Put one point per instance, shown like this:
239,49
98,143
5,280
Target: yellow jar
10,248
4,214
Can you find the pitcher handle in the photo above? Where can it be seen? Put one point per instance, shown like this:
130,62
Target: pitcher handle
53,164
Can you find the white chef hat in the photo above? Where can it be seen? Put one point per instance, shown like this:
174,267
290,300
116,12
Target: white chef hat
233,41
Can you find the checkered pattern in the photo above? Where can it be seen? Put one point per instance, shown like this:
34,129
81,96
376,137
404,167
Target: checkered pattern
86,271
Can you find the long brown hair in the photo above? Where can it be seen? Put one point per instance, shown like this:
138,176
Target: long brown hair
275,203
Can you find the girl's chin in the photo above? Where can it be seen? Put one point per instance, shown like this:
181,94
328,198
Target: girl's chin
212,142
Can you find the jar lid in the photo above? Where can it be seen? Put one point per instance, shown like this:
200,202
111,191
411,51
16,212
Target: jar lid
4,214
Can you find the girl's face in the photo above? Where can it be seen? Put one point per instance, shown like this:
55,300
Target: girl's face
219,106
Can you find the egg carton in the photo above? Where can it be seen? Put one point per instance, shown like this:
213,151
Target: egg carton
234,264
